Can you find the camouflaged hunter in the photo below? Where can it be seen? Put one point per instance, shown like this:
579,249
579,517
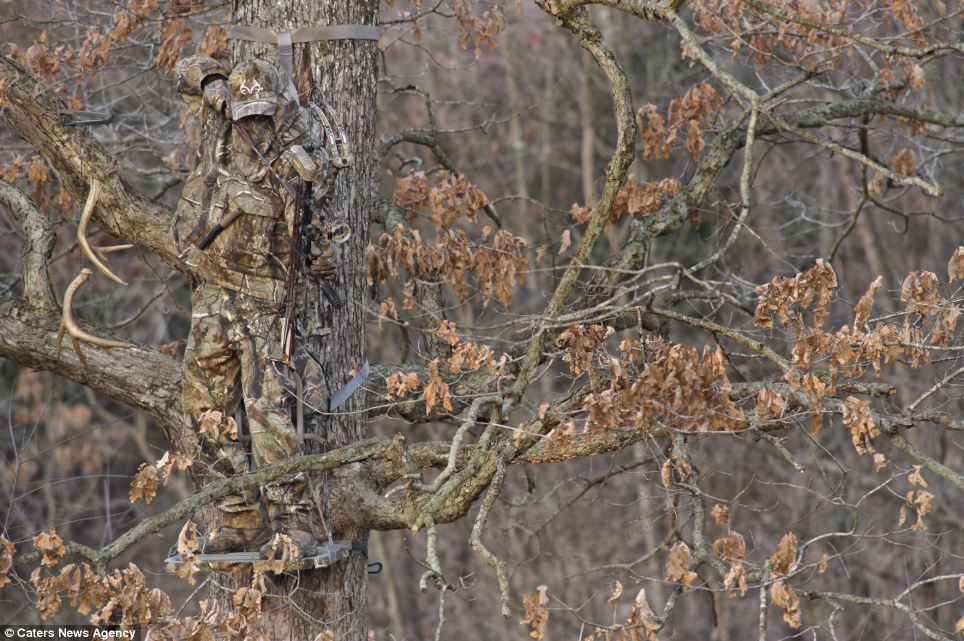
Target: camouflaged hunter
234,222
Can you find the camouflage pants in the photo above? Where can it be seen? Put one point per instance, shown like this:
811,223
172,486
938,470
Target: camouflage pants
228,362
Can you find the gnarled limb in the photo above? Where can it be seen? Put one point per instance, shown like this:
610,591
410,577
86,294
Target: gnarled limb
78,159
37,290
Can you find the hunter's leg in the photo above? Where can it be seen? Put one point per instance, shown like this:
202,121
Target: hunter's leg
212,393
269,400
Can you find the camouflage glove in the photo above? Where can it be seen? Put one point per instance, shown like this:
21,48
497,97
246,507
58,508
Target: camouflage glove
216,94
323,262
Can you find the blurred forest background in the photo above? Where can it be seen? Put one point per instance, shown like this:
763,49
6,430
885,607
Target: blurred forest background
498,95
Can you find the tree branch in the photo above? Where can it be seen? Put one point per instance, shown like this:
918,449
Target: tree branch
78,158
38,293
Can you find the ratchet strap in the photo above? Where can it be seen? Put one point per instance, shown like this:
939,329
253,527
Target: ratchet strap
286,40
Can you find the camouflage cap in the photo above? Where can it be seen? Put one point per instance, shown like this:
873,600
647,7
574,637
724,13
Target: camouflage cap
192,71
255,89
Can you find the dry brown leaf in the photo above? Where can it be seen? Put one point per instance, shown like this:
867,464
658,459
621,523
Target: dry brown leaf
721,513
537,612
732,548
47,590
915,477
955,266
169,462
866,303
446,332
856,416
566,241
436,390
919,292
677,566
783,596
666,473
904,162
144,483
50,547
617,592
399,384
169,348
6,559
880,461
643,615
785,557
769,404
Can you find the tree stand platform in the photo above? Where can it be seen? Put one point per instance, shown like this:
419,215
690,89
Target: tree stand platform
326,556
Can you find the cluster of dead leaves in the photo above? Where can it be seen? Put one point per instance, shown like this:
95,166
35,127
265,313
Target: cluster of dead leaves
920,294
42,60
763,34
497,267
641,624
904,162
50,546
121,597
856,416
782,594
634,199
174,34
690,113
919,500
853,349
787,297
283,549
654,381
217,426
144,483
478,30
451,202
466,356
38,173
581,343
241,623
450,199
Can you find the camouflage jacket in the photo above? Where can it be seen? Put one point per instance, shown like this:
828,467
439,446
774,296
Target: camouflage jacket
251,255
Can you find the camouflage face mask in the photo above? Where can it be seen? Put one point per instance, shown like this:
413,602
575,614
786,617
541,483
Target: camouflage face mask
260,129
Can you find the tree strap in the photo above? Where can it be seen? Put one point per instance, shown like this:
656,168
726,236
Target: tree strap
286,39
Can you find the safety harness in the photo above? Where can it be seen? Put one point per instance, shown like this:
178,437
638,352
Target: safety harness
286,39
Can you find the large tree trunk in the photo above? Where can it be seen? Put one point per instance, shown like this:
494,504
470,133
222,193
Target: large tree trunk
331,599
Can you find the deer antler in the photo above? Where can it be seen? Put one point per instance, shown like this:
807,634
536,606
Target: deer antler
103,251
77,335
92,197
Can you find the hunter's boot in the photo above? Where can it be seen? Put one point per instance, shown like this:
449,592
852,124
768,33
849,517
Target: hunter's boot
243,530
289,513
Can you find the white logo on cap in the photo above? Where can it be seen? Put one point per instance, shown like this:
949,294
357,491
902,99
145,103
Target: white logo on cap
245,89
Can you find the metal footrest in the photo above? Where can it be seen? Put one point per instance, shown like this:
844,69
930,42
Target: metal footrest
327,555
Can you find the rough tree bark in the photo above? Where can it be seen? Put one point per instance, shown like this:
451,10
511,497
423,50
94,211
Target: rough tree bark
335,598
